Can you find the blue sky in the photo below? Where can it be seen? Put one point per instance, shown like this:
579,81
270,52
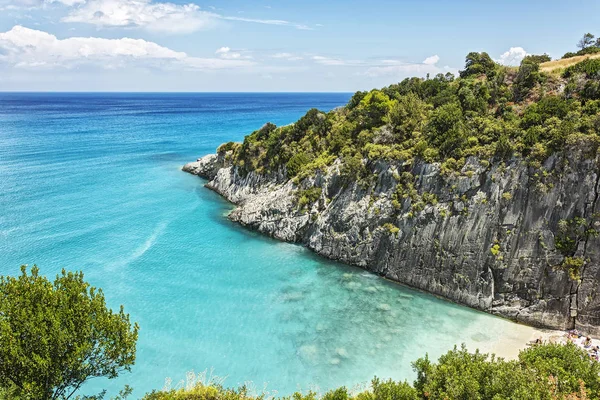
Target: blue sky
326,45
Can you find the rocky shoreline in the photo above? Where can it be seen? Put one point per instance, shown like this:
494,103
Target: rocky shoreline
484,236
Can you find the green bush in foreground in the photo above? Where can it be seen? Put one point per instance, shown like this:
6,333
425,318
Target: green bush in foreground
544,372
54,336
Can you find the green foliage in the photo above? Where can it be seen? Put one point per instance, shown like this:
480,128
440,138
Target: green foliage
588,50
586,45
543,372
308,197
405,189
446,129
590,67
407,115
568,365
225,147
372,109
353,168
527,77
389,390
202,392
490,112
296,164
547,371
391,228
478,64
495,250
54,336
573,266
572,232
537,58
586,41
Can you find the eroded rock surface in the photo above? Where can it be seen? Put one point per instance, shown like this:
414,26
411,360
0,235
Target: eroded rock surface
485,237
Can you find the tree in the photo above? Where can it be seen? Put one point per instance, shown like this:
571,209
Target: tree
548,371
54,336
527,77
478,64
538,58
407,115
567,364
373,108
446,130
586,41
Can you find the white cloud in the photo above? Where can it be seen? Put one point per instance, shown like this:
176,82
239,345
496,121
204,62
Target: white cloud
431,60
268,22
514,56
158,17
69,3
336,61
228,54
27,48
400,68
14,5
154,16
287,56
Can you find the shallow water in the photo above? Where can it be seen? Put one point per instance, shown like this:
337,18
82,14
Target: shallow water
93,182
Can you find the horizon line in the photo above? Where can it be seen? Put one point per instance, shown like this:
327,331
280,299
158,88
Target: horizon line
169,92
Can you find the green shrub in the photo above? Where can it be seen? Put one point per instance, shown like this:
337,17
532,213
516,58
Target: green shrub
573,266
542,372
308,197
391,228
225,147
590,67
495,250
296,164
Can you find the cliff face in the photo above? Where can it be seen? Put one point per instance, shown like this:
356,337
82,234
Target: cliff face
490,236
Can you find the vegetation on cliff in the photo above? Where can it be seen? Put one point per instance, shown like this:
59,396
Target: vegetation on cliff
489,111
549,371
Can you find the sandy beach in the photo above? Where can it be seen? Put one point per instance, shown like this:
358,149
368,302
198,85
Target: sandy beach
509,346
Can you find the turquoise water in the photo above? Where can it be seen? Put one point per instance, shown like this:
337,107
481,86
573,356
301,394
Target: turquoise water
93,182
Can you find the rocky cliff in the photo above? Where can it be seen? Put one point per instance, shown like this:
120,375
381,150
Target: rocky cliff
505,237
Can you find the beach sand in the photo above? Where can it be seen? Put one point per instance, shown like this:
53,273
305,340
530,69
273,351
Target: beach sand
510,344
508,347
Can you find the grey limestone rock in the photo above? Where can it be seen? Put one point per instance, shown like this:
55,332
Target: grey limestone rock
487,241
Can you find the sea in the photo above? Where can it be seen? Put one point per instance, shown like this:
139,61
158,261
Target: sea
93,182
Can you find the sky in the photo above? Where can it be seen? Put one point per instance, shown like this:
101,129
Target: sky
268,45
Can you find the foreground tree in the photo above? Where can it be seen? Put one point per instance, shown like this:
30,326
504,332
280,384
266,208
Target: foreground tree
54,336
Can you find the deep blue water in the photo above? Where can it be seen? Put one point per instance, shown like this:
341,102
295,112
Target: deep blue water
93,182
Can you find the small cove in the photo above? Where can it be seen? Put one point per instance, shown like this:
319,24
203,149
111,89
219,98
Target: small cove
93,182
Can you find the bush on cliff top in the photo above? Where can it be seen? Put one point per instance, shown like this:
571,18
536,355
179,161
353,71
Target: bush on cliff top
490,111
544,372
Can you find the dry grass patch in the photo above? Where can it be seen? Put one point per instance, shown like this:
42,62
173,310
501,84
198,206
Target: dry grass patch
551,66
